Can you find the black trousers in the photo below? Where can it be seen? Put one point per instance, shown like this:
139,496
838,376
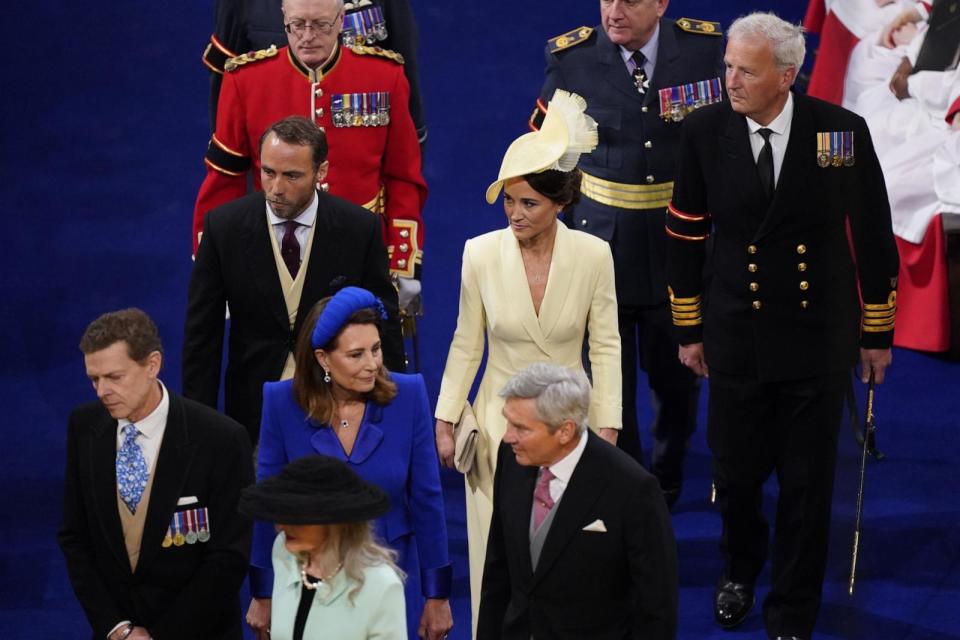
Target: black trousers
646,339
755,429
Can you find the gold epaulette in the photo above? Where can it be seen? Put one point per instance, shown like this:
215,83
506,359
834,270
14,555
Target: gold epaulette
253,56
703,27
363,50
569,39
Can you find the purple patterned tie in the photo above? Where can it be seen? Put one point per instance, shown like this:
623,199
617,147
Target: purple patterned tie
290,248
542,502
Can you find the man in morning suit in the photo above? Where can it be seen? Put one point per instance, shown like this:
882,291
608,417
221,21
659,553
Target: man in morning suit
358,95
622,68
778,179
154,545
580,543
270,256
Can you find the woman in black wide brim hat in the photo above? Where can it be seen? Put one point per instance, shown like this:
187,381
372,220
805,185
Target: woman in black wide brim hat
332,579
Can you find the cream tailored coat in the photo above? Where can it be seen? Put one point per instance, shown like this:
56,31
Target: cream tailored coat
496,307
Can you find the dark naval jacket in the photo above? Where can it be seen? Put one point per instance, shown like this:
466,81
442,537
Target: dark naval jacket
799,282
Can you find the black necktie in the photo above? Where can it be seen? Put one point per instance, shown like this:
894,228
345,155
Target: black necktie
639,75
290,248
765,163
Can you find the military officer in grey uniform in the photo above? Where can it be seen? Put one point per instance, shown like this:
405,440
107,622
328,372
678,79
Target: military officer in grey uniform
640,74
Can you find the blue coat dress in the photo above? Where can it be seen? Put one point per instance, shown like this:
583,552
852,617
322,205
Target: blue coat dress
395,450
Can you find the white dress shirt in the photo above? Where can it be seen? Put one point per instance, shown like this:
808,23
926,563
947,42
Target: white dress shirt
305,220
778,139
563,469
151,430
649,52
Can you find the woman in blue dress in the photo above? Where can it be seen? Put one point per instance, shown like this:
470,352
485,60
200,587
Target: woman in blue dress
343,403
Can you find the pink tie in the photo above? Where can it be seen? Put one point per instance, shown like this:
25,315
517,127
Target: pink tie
542,502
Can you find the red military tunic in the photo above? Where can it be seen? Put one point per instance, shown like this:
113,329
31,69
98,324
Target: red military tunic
376,165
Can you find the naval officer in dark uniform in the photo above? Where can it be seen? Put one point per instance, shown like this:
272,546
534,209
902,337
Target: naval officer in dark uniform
248,25
640,74
803,284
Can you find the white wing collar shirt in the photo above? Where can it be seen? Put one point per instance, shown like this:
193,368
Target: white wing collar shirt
305,220
151,430
562,470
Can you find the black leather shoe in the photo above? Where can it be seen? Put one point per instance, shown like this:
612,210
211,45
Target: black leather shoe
732,602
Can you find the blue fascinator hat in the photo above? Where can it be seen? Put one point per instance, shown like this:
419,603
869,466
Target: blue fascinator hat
341,306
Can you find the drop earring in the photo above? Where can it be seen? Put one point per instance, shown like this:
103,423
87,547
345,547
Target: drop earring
326,376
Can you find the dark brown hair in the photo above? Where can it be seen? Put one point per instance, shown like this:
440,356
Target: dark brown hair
301,131
132,326
310,391
563,187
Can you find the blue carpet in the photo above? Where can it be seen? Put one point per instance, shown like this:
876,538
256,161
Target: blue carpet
105,117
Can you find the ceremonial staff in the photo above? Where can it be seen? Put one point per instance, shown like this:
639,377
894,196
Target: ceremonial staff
868,440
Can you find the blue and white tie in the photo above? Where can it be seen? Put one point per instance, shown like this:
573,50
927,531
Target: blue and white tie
131,469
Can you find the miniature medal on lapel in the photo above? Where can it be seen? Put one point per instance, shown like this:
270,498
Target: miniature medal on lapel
835,149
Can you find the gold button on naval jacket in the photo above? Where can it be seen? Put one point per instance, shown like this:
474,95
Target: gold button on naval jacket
752,249
404,233
804,304
757,304
752,268
402,263
319,112
649,179
754,286
644,109
647,145
404,247
802,266
804,285
583,222
801,249
319,92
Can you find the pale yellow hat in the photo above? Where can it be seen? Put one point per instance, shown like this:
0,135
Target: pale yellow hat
567,132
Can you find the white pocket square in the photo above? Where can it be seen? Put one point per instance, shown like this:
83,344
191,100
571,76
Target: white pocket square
597,526
185,500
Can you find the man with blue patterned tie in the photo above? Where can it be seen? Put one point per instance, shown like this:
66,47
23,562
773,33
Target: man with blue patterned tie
154,545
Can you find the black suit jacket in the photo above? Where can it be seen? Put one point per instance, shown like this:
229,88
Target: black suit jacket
235,266
782,302
618,584
190,591
635,142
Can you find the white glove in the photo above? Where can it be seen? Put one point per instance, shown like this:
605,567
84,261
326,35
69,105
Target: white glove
407,291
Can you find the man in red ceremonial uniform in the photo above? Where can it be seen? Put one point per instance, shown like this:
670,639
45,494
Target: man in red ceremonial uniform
358,95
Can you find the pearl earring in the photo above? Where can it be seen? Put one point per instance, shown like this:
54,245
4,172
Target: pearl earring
326,376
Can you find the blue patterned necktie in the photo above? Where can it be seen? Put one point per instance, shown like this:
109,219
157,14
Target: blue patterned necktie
131,469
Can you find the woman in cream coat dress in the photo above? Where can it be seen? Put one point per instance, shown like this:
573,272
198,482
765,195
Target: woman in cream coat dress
567,295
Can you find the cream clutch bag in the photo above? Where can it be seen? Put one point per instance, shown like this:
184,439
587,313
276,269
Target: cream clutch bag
466,437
